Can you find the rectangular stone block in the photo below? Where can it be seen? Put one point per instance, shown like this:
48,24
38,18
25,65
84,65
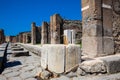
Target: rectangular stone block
60,58
56,58
73,57
92,46
112,63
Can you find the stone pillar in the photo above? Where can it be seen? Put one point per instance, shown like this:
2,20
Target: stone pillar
44,33
21,37
28,37
2,36
38,34
17,38
56,28
24,38
33,33
97,28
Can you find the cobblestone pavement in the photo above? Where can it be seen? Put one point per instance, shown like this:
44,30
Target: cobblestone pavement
21,68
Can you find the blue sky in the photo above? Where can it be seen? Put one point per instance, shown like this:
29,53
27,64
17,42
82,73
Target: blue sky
17,15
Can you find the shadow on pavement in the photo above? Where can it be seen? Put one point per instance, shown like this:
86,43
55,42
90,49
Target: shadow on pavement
12,64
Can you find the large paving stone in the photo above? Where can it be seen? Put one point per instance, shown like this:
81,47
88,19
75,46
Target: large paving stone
31,79
27,68
20,53
112,63
61,78
14,78
26,75
2,77
73,57
17,49
12,74
102,77
56,58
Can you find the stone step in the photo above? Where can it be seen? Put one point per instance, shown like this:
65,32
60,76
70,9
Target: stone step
20,53
112,63
17,49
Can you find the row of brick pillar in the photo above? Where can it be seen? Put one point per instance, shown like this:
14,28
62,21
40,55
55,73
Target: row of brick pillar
49,33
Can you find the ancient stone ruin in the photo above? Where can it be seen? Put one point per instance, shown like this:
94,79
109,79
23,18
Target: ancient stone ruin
56,29
2,36
35,34
71,49
45,33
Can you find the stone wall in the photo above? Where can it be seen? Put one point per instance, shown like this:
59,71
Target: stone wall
2,36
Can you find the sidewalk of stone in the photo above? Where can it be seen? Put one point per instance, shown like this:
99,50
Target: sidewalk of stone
21,68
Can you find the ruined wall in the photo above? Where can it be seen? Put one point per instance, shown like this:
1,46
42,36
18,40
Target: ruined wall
116,24
2,36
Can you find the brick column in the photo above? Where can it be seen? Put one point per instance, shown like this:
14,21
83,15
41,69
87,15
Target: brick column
44,33
56,28
2,37
33,33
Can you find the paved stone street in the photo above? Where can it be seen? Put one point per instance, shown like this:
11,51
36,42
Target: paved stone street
21,68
